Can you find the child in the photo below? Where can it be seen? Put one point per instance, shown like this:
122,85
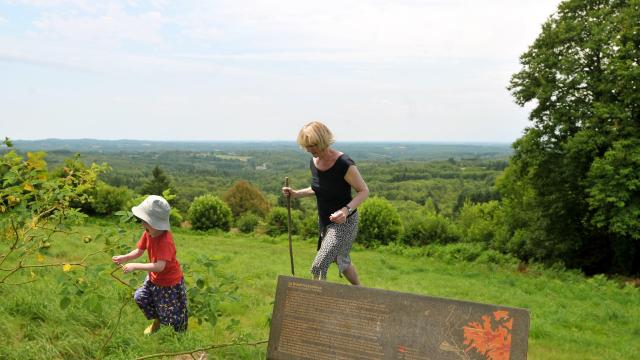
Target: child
162,297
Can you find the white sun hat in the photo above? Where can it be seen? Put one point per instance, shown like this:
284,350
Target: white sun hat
154,210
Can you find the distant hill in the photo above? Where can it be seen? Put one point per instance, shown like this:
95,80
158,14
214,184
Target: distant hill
94,145
359,150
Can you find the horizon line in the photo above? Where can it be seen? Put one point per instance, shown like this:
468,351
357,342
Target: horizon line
271,141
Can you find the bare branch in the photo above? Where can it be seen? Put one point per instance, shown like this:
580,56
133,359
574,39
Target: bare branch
53,231
14,245
191,352
20,266
11,272
117,324
21,283
50,265
46,212
98,252
120,280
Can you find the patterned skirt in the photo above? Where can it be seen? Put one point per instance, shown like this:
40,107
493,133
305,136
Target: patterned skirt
335,245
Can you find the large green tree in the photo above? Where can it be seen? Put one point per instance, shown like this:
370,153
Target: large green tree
158,183
573,184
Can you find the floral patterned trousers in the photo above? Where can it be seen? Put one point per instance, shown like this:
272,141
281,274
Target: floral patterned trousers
165,303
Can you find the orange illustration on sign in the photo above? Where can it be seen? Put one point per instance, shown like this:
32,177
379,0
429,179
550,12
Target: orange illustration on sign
492,342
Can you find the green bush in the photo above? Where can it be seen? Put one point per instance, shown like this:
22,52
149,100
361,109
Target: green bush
109,199
477,222
209,212
278,219
84,198
379,223
308,227
175,217
247,222
460,252
397,248
427,227
497,258
468,252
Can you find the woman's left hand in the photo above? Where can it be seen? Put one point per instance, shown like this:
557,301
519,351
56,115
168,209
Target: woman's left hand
339,217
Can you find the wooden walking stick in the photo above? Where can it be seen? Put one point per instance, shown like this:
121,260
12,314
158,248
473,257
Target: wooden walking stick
286,183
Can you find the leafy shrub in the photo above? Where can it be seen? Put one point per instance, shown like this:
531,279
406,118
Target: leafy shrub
460,252
84,196
490,256
468,252
209,212
109,199
175,217
427,227
379,223
34,206
477,222
278,219
243,197
396,248
247,222
208,289
308,226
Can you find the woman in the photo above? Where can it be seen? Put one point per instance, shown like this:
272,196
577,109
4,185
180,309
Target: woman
333,174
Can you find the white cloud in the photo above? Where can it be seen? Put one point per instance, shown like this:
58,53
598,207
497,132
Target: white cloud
377,28
82,5
290,30
396,69
112,27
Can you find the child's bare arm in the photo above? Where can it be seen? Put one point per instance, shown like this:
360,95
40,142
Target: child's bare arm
157,266
134,254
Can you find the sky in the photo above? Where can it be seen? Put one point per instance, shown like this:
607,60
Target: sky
210,70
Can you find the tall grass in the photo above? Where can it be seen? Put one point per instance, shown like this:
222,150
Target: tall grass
572,317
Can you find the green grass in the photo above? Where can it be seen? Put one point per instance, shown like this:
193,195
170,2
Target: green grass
572,317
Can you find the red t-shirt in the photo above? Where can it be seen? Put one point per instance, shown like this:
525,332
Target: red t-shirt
162,248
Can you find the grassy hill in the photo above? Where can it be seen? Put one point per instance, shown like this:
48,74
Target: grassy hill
572,317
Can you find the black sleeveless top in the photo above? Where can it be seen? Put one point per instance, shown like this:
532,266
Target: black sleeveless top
332,191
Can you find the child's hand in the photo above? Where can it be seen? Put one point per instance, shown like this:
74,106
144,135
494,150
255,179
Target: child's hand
118,259
126,268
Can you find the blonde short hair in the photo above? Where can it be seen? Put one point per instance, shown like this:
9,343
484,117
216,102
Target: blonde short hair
315,134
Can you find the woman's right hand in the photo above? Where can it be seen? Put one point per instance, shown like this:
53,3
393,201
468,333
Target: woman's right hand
287,191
